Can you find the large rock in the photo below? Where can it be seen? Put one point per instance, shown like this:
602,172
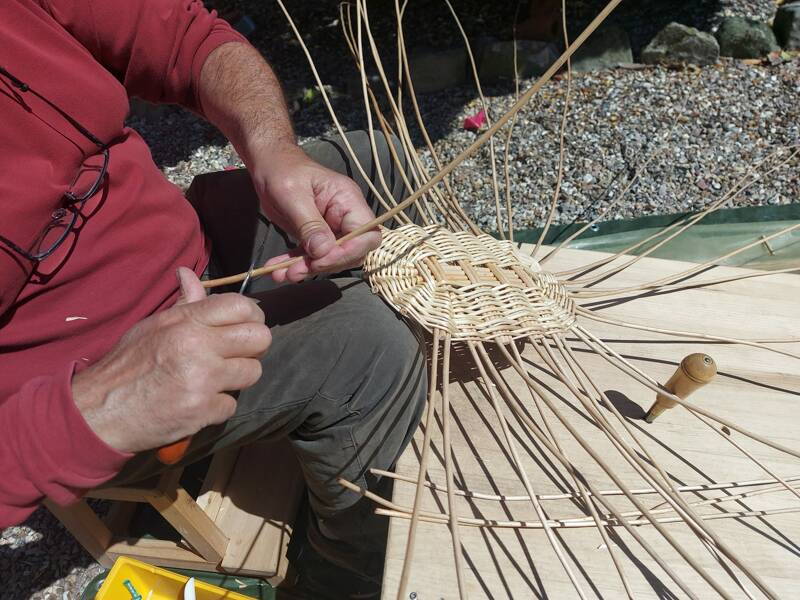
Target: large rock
678,44
745,38
607,48
533,58
787,26
432,71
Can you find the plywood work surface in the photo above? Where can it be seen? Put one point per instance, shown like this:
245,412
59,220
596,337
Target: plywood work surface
756,389
258,507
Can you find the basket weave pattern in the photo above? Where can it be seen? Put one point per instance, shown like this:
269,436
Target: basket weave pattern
476,288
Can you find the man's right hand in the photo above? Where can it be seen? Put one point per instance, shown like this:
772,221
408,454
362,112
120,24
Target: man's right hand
168,376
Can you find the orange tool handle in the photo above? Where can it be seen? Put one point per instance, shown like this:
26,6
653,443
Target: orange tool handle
172,453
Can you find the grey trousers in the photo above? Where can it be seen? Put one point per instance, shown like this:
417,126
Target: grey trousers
344,378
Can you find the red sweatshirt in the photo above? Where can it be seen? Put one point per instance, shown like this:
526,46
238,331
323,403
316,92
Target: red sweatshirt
87,57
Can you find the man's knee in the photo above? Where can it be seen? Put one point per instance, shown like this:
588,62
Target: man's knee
391,364
378,332
370,403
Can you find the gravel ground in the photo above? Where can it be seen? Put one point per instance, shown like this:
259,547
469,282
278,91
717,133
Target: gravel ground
40,560
716,121
704,128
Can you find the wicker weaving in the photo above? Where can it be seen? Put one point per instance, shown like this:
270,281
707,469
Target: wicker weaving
474,287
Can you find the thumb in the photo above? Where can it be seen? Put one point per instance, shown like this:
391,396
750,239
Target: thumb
191,288
310,228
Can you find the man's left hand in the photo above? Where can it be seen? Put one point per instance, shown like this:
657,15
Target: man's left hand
315,206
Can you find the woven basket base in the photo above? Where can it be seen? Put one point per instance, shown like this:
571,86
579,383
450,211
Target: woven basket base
475,288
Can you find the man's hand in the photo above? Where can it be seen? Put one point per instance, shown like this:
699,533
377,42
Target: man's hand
315,206
168,377
240,94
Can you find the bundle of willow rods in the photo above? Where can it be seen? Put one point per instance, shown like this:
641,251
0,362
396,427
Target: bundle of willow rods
484,297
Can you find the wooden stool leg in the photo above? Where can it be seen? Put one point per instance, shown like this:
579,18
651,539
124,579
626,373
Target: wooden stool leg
194,525
90,531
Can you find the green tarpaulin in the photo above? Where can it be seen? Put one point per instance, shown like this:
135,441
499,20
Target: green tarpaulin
716,235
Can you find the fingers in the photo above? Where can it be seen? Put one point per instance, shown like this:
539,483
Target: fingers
316,206
238,373
342,256
191,288
242,340
294,273
220,408
347,211
348,255
308,224
225,309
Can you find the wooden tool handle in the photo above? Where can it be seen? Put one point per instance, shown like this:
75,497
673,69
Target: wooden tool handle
172,453
694,372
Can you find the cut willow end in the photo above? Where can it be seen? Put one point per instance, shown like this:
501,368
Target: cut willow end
695,371
476,288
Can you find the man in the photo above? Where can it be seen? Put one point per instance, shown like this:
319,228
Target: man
101,361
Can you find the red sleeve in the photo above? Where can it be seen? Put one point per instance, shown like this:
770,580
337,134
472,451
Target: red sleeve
47,449
156,48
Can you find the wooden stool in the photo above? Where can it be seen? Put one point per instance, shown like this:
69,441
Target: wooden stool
239,524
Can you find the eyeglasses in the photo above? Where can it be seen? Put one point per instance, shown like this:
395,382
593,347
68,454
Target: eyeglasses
86,183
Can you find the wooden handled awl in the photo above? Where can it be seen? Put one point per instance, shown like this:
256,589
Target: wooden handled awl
172,453
694,372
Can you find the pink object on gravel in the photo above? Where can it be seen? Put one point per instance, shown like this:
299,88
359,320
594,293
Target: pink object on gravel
476,121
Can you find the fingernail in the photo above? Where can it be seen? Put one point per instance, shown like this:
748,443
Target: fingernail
316,244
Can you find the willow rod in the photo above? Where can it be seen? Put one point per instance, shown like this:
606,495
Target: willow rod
707,536
775,489
691,334
585,496
554,542
617,481
737,188
690,284
474,147
449,459
668,493
502,387
599,292
402,131
749,455
487,113
561,137
510,133
406,69
423,467
493,523
702,487
450,207
391,509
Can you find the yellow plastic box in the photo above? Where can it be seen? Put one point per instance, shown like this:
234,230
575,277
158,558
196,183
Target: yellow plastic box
152,583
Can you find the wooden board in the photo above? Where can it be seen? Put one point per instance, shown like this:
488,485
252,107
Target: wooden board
240,524
258,508
757,389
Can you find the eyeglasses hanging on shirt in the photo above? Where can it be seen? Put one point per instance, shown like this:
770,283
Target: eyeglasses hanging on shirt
85,185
